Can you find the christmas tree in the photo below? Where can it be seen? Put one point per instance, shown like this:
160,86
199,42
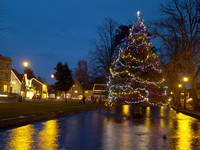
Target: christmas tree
135,74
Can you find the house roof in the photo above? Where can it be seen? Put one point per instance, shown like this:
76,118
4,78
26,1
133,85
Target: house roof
5,58
19,76
99,87
37,81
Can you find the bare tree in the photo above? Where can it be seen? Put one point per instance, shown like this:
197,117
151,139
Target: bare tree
82,73
178,29
103,48
110,37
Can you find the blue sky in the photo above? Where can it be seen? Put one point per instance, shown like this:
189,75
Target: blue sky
44,32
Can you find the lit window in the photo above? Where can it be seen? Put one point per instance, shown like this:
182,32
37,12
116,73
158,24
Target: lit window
5,88
13,83
86,91
75,91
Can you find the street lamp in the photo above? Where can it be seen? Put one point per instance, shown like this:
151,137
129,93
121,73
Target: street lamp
185,79
25,63
52,76
180,85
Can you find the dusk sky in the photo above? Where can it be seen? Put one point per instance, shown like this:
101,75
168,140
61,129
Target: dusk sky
44,32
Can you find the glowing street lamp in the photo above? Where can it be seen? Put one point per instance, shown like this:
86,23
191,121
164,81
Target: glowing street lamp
180,85
185,79
25,64
52,76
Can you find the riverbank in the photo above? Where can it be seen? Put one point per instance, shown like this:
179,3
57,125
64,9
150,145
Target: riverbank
22,113
195,114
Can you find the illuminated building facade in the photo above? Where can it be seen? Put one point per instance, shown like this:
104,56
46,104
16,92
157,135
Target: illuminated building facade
16,83
99,90
76,91
32,87
5,74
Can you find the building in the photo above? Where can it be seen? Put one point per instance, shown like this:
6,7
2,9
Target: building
76,91
88,94
99,90
16,82
32,87
5,74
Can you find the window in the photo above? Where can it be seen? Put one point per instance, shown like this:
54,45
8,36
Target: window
5,88
7,66
86,91
75,91
6,76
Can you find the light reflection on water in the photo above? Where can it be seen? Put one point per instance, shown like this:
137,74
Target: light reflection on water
48,136
112,128
21,138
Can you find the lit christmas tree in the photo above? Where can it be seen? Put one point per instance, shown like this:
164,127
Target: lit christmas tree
135,74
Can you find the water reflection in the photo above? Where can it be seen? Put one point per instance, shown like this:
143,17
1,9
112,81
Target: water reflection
112,128
148,120
126,110
21,138
48,136
186,136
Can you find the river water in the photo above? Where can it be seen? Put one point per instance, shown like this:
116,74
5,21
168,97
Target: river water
108,129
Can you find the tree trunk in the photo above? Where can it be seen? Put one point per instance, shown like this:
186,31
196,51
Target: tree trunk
195,102
65,97
177,93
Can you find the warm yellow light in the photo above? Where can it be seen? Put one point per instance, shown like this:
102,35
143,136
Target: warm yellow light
52,76
180,85
185,79
171,92
5,88
126,109
49,135
25,64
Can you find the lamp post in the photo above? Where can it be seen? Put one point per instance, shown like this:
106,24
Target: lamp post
180,85
52,76
179,91
185,79
25,64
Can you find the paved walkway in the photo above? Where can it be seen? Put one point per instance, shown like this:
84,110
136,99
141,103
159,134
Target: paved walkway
195,114
8,100
5,100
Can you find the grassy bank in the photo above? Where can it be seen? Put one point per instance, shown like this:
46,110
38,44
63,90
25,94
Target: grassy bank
16,109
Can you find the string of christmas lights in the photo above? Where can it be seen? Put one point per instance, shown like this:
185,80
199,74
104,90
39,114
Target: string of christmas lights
134,61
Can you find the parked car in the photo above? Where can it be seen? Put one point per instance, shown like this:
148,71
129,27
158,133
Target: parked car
36,97
52,96
13,96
